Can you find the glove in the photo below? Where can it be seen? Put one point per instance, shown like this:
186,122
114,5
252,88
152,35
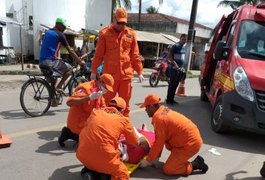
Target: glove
95,95
141,78
93,76
104,90
123,152
144,163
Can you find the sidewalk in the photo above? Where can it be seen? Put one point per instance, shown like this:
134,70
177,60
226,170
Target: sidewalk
16,69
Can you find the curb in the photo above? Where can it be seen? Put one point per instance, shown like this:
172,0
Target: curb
18,72
36,71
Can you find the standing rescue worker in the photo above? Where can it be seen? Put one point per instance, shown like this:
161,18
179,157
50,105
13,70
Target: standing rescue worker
98,141
86,96
180,136
117,47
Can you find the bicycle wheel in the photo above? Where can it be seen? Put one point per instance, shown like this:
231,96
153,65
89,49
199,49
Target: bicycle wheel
35,97
74,83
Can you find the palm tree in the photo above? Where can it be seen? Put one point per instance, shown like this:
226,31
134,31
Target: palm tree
152,10
236,4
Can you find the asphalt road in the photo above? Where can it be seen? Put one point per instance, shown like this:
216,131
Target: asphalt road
35,153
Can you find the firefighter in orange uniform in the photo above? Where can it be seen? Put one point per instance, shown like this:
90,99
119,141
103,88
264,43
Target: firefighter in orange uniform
179,135
117,46
87,96
98,142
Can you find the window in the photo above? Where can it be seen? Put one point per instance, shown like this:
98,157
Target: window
231,36
251,40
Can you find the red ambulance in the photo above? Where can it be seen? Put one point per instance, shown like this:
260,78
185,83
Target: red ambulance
233,77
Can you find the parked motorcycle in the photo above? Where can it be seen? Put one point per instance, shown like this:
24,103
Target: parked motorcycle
159,73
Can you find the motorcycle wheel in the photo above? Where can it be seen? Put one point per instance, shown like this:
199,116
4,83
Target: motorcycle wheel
153,80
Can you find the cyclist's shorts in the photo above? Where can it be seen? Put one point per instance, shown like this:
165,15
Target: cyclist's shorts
58,65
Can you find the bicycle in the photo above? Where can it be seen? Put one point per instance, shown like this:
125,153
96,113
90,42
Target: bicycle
39,91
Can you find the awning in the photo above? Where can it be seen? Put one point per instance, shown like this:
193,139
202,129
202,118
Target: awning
7,20
170,37
144,36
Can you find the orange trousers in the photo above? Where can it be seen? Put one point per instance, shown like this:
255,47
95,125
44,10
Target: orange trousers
124,90
177,163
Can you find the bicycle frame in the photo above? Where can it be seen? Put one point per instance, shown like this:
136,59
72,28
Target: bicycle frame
39,93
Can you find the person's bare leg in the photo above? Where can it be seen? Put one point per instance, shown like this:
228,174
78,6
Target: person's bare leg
64,78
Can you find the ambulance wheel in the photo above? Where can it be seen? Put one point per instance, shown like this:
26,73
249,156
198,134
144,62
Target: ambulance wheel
217,122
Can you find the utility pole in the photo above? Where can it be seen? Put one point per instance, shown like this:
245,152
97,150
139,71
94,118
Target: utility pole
191,33
139,15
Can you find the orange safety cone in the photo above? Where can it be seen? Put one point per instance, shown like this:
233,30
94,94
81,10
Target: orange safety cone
4,141
181,89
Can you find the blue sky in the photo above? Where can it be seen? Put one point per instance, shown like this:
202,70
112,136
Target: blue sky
208,13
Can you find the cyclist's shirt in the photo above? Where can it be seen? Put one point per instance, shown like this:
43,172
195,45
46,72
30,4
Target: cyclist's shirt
51,44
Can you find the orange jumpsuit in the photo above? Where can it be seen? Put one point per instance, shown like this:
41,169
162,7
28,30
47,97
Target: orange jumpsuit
180,136
98,142
120,54
78,114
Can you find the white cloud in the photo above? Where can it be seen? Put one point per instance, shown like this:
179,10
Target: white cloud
207,11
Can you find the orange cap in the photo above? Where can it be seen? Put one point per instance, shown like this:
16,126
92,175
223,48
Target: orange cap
150,99
108,80
121,15
118,102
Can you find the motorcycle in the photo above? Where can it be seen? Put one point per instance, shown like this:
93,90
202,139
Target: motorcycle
159,73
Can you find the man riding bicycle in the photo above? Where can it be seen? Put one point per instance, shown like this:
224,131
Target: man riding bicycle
53,39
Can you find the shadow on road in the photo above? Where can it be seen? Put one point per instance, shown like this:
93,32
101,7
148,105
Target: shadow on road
158,86
17,114
52,147
230,176
67,173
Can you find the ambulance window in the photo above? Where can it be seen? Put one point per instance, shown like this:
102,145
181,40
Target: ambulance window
251,40
231,36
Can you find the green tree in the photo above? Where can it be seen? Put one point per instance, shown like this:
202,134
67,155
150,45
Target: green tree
236,4
140,12
152,10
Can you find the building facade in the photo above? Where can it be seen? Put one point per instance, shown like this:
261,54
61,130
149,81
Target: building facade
88,14
161,23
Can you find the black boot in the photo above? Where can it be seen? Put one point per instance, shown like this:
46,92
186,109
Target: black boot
199,164
262,170
65,135
88,174
93,175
